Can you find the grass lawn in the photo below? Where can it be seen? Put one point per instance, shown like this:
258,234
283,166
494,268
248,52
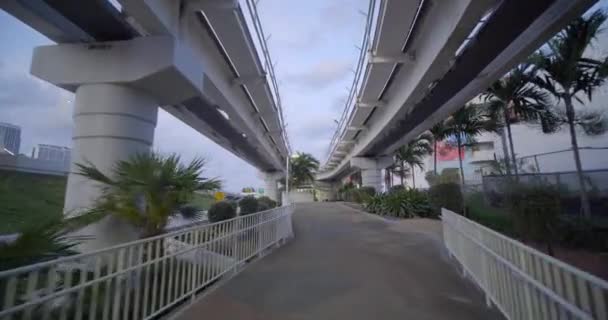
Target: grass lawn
202,201
28,199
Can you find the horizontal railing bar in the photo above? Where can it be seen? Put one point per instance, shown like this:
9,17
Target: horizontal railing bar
552,295
265,238
587,276
40,265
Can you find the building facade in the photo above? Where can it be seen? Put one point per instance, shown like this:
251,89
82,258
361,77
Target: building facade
10,138
47,152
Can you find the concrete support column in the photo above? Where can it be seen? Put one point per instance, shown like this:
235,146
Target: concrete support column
111,123
371,170
271,188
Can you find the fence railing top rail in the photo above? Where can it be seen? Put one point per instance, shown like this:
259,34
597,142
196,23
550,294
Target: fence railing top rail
569,268
81,256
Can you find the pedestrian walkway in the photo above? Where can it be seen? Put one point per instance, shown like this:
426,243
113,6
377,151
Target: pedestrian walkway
345,264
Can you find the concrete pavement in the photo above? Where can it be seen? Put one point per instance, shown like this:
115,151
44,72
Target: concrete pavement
344,264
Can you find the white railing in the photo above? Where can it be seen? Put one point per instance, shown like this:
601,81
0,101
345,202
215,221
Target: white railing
141,279
349,104
522,282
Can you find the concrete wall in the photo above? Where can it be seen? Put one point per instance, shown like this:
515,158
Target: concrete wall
296,196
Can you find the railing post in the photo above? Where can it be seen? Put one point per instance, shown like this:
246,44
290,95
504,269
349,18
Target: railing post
527,293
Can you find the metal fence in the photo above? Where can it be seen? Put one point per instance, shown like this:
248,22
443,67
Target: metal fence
522,282
596,183
142,279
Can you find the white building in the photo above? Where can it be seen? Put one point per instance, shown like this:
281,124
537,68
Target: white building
47,152
10,138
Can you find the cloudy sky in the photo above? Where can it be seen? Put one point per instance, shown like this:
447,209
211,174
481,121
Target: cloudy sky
313,43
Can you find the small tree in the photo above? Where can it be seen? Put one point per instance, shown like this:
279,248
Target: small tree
148,188
302,169
466,124
515,98
439,132
413,153
568,74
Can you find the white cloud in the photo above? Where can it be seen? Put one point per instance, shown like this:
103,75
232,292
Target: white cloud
321,74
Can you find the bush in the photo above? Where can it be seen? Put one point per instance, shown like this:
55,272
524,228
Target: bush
446,195
402,204
248,205
265,203
536,210
397,188
221,211
190,211
363,194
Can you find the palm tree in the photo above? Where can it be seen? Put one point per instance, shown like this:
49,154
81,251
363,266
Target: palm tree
148,188
439,133
569,74
515,98
413,153
302,168
465,124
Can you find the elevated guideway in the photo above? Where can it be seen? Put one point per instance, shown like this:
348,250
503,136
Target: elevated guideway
422,60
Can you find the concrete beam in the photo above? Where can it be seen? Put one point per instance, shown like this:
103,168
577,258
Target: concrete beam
397,58
252,80
371,104
156,65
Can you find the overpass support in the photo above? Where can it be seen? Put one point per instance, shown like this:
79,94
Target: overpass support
371,170
117,87
271,188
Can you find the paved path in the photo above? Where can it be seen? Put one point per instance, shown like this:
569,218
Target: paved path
344,264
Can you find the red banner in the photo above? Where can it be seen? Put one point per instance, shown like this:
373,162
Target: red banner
447,152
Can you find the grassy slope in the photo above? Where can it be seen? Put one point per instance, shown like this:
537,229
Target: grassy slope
202,201
29,199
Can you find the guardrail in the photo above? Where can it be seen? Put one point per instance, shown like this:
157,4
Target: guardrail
522,282
349,104
268,66
141,279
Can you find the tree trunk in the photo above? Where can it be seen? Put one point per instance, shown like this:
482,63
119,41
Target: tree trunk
510,138
435,157
586,206
505,150
402,174
459,144
413,179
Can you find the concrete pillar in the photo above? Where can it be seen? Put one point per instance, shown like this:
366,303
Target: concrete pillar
271,188
111,123
371,170
119,86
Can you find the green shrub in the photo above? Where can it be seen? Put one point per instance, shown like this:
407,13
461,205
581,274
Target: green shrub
498,219
248,205
446,195
189,211
397,188
221,211
402,204
536,210
363,194
265,203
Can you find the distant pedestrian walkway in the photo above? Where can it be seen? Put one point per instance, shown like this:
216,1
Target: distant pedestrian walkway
344,264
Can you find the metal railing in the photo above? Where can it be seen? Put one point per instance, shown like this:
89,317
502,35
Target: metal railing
349,104
142,279
268,66
522,282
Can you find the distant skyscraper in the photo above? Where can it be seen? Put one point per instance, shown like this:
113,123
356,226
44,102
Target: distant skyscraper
48,152
10,138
